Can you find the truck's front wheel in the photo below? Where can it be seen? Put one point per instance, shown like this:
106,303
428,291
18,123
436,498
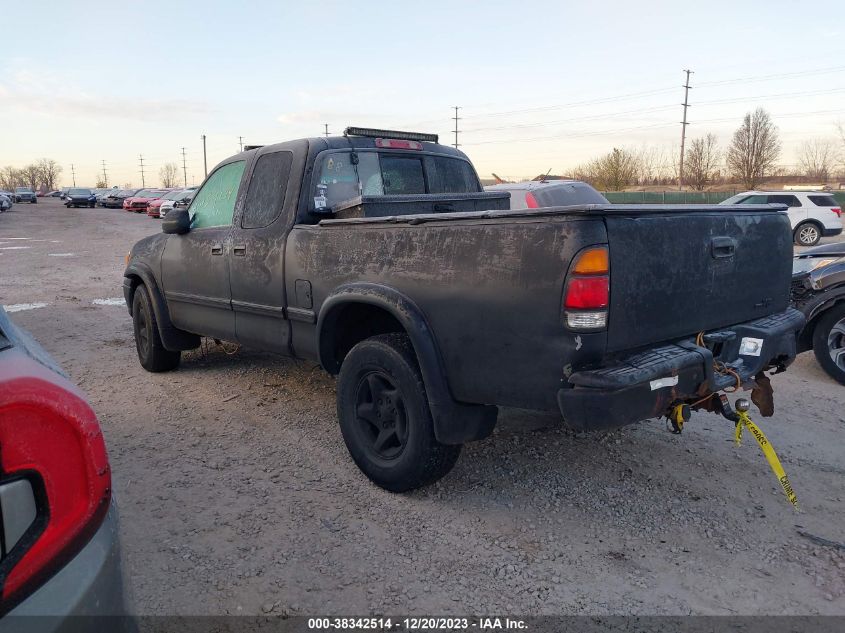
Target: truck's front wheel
385,418
152,354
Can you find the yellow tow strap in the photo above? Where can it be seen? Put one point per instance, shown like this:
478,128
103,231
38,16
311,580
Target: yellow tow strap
768,451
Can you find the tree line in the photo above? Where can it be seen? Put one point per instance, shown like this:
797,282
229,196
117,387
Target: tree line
44,172
750,158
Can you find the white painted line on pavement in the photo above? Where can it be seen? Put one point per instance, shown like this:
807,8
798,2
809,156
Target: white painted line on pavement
61,254
20,307
113,301
13,248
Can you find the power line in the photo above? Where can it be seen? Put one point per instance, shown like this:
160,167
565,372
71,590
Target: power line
456,118
143,181
684,125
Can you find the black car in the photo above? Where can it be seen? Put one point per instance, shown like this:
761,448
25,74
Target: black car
80,198
115,200
818,290
378,255
25,194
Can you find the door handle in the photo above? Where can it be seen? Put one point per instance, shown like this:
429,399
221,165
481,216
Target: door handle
216,249
239,251
722,247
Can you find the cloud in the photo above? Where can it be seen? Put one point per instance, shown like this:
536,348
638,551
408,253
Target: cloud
25,89
91,107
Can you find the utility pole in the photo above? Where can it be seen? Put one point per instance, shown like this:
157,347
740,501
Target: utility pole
241,142
456,118
105,176
204,157
184,167
684,125
326,125
73,174
143,182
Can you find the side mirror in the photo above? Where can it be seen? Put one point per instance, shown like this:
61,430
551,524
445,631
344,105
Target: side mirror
176,222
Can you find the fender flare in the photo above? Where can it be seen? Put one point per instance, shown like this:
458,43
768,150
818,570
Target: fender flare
454,422
173,339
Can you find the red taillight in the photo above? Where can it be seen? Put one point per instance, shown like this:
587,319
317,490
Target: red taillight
50,436
837,211
587,293
396,143
531,201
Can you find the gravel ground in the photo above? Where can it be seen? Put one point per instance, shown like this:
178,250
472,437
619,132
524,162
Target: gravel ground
237,494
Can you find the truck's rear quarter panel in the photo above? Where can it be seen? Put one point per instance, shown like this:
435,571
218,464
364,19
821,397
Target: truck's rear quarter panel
491,291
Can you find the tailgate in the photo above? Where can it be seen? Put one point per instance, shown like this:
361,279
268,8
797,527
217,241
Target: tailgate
678,271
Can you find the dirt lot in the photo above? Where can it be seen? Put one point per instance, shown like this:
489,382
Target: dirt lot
237,495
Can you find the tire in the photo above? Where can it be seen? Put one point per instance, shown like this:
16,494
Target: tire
807,234
151,352
90,206
829,342
385,418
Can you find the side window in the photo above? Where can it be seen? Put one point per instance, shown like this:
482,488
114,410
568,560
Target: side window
824,201
266,193
402,175
214,204
790,201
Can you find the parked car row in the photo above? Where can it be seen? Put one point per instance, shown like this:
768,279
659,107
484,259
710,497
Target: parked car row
154,202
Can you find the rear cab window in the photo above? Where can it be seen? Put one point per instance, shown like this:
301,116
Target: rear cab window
343,175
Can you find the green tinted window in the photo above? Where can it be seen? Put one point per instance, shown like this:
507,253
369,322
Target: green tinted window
214,204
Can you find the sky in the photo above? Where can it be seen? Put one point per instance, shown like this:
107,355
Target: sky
541,85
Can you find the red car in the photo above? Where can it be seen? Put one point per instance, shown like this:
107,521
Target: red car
154,206
138,203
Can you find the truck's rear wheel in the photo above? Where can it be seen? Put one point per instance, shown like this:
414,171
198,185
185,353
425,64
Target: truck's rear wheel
151,352
829,342
385,418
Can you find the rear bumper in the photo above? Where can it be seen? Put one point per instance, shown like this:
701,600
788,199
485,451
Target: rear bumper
831,232
645,384
91,584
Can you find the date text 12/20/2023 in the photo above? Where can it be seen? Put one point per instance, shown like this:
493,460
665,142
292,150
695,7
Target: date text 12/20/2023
417,624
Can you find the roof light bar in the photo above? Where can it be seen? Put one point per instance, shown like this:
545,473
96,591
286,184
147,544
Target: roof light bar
405,136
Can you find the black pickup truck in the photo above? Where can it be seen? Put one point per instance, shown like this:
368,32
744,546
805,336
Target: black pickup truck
378,254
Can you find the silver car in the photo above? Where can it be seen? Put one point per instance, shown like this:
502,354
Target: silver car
59,546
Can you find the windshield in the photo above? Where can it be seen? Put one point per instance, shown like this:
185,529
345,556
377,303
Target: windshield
381,173
23,190
175,195
80,192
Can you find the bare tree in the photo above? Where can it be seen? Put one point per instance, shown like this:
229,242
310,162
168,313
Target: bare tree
31,175
652,164
50,171
169,175
755,148
100,182
611,172
816,158
9,178
702,161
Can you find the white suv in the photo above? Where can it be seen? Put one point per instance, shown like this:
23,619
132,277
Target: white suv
814,214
